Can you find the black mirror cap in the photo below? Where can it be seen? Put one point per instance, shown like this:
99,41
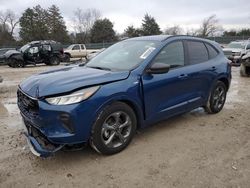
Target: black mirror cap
158,68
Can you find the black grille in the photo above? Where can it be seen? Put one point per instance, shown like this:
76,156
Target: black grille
28,106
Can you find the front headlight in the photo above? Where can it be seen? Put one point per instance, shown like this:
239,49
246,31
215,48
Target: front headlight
237,54
72,98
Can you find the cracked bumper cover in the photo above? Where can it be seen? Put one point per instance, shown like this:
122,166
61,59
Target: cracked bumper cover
37,146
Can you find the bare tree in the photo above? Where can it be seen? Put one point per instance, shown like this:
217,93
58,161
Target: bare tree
3,21
84,20
9,21
209,26
175,30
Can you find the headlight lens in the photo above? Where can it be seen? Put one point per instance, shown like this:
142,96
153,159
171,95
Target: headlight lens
237,54
72,98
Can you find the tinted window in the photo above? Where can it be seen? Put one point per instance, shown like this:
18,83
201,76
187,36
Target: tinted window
82,47
248,46
211,51
172,54
76,47
197,52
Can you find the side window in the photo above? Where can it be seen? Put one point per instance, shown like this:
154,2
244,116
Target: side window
211,51
46,47
248,47
197,52
172,54
76,47
82,47
33,50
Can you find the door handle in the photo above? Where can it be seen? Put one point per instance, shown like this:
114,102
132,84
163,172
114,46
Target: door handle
213,68
183,76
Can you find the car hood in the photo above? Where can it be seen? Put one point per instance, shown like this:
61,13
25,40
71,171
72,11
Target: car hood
11,52
68,79
235,50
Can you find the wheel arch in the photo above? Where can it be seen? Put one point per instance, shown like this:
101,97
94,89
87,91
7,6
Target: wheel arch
131,103
67,53
136,110
225,81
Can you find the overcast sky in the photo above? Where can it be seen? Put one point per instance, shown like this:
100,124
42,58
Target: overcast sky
188,14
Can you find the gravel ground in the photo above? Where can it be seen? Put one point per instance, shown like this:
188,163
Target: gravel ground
191,150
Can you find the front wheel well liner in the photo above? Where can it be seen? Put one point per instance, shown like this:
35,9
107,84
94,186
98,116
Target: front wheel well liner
134,108
225,81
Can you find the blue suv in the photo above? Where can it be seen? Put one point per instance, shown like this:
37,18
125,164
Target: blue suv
130,85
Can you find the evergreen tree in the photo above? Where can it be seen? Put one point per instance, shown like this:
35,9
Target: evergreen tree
34,24
149,26
56,25
102,31
130,31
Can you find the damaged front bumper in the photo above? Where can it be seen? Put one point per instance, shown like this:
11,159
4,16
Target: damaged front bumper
39,145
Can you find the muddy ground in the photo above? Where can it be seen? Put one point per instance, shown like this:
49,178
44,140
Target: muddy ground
191,150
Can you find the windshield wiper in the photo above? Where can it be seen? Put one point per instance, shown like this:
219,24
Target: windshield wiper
101,68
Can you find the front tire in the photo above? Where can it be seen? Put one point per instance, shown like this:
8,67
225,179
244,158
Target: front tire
67,58
14,63
243,70
217,98
114,129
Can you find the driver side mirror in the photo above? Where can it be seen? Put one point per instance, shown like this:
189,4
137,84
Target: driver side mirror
158,68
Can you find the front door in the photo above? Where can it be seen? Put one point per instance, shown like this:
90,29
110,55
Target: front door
167,94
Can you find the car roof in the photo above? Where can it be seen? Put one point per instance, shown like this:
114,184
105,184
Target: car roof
241,41
151,37
162,38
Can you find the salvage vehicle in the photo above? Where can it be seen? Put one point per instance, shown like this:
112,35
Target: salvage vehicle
245,65
36,52
2,54
130,85
77,51
236,50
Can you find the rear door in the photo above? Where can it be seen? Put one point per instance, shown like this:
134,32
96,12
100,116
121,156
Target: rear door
167,94
202,68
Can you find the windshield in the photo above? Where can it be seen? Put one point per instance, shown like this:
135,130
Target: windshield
236,45
70,47
124,55
24,48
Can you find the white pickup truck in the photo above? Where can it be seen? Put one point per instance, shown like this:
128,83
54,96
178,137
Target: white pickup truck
77,51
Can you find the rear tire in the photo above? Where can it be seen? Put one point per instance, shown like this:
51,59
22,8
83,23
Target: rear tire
114,129
217,98
54,60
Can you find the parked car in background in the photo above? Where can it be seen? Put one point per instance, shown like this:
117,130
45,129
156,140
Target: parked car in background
130,85
36,52
236,50
245,65
77,51
2,54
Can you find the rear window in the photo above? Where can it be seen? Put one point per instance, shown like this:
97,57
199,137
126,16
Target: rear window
197,52
211,51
